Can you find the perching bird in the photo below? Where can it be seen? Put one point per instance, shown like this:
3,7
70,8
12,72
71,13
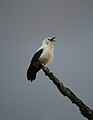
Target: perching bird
45,54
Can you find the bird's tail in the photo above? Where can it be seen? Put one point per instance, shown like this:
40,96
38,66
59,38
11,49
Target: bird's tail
31,74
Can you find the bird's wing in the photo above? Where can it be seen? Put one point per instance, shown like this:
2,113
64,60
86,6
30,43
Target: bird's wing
37,55
34,67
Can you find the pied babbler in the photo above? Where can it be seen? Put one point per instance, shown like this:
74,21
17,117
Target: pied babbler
45,54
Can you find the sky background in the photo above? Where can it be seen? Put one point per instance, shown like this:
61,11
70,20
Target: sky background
23,26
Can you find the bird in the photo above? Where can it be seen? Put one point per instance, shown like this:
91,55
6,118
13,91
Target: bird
45,54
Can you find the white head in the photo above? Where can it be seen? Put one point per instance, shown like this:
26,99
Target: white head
48,41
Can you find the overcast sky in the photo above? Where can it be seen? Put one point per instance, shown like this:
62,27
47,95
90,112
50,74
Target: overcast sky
23,26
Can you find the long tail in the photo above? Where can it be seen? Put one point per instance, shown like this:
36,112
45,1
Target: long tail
31,74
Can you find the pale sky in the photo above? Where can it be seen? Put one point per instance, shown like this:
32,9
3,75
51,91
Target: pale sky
23,26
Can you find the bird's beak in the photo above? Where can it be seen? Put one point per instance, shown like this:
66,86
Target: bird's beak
52,39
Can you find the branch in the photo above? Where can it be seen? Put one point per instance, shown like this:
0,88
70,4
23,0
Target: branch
85,110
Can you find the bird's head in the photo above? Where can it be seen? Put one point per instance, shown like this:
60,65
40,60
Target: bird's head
48,41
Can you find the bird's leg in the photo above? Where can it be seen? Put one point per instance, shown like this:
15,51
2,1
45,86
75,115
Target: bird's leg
40,62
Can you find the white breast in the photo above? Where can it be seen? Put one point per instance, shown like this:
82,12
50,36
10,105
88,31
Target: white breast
47,55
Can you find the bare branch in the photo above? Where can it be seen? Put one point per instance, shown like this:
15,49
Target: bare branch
85,110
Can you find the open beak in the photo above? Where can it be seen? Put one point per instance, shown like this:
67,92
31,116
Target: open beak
52,39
